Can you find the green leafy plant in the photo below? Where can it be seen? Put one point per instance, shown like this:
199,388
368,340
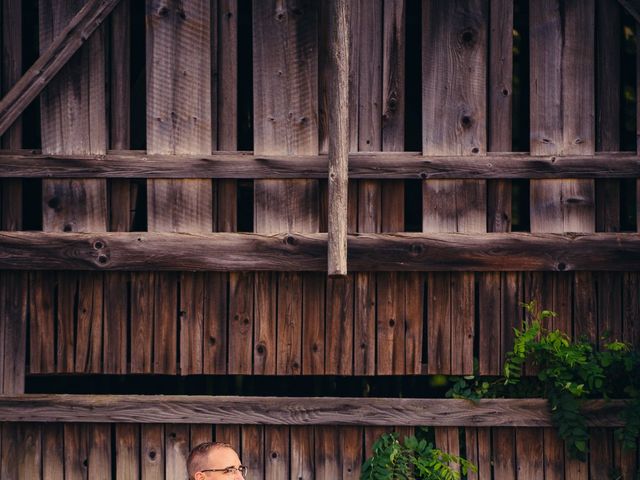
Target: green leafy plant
412,459
566,372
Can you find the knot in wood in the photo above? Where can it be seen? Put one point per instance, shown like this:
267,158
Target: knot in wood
475,150
290,240
466,121
561,267
260,349
468,37
54,202
98,245
416,249
103,259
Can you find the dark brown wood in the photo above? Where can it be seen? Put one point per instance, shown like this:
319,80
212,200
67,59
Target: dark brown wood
127,451
338,138
65,43
306,252
293,410
362,165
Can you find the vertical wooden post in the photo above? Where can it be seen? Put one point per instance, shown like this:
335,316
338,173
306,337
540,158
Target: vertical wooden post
338,139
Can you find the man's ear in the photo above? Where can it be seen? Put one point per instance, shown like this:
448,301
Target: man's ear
199,476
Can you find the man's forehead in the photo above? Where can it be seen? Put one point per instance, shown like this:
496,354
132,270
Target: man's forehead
223,457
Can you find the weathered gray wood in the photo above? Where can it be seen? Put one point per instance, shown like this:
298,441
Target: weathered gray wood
362,165
293,410
139,251
338,138
66,42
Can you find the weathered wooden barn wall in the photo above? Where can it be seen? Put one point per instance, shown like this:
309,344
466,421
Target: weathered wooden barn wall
204,88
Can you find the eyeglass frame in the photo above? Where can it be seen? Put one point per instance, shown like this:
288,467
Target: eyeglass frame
243,469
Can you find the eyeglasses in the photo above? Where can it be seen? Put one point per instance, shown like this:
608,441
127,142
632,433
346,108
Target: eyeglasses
229,470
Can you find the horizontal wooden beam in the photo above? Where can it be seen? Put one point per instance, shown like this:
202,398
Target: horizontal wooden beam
294,411
45,68
308,252
404,165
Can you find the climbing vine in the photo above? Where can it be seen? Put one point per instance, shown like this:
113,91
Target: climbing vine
566,372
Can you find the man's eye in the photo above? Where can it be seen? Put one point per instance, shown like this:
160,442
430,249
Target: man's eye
229,471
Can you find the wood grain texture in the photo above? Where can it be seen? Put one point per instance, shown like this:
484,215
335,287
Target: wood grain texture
529,453
253,450
454,43
362,165
338,138
302,444
276,444
55,55
127,451
179,119
504,452
285,76
176,450
292,410
307,252
152,455
73,117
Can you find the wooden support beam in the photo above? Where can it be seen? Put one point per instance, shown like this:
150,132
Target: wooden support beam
362,165
338,138
143,251
633,7
531,412
66,43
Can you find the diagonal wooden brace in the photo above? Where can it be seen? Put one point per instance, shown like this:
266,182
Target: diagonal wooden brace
86,21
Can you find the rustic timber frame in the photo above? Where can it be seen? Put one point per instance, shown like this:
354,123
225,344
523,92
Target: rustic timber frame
222,302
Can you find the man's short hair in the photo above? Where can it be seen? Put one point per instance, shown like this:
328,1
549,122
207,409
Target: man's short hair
198,456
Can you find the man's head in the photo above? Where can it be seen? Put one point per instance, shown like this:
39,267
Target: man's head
214,461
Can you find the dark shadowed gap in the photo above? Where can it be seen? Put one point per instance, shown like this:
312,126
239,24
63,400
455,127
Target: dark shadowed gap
520,219
138,77
32,204
392,386
520,113
628,92
245,76
413,78
245,206
413,206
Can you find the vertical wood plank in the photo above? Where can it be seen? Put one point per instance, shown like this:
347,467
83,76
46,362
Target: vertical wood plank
265,323
89,330
73,116
339,326
600,452
10,446
53,451
391,331
76,459
562,108
302,452
116,295
529,453
253,450
152,458
215,323
192,313
285,46
240,322
495,320
289,315
99,450
229,434
625,461
276,440
127,451
351,448
414,304
504,453
176,451
199,433
554,467
178,121
454,41
327,453
313,332
478,451
29,451
448,440
13,285
13,323
142,320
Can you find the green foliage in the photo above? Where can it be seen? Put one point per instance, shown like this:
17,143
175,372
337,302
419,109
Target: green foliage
413,459
567,372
